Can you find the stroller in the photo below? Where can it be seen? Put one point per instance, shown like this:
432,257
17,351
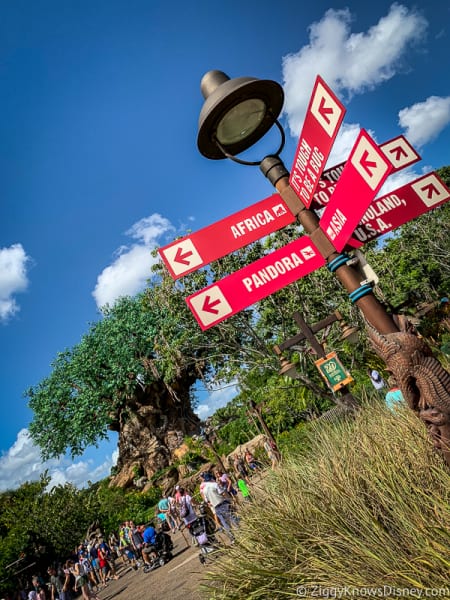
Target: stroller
163,548
203,529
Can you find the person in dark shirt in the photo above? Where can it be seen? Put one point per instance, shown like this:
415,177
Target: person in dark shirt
149,550
59,583
137,541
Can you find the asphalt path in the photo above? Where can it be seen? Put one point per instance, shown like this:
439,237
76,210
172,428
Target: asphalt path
179,578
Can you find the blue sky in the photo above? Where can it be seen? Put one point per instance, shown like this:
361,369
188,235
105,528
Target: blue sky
98,158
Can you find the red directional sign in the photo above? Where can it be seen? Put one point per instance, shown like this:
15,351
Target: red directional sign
400,206
323,119
398,151
254,282
364,173
219,239
269,274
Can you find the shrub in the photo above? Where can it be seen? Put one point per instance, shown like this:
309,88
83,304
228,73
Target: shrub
365,503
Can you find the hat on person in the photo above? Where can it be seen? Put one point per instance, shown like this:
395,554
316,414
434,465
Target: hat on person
177,487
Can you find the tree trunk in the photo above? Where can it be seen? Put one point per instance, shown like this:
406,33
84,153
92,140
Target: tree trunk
151,427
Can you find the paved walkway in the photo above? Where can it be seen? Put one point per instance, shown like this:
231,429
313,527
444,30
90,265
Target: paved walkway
179,578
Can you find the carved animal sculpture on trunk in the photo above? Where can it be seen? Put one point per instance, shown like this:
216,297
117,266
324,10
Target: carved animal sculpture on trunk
424,383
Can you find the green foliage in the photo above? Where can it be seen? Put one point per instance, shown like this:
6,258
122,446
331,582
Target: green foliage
38,522
116,505
362,503
92,382
444,173
94,385
138,471
297,439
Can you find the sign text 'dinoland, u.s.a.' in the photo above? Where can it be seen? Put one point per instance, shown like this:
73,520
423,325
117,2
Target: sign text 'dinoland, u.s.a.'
398,151
400,206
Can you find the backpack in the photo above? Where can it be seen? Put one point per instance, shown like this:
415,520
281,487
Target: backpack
184,509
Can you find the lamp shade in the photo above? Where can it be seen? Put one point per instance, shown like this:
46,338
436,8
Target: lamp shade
287,369
236,113
349,333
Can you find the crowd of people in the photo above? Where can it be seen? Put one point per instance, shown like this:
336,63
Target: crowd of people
95,561
85,572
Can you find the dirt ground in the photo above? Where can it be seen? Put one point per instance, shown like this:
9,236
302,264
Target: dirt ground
179,578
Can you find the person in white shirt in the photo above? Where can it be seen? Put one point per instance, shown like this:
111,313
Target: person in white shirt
214,494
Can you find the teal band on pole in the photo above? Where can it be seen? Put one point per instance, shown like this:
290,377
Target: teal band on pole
337,262
360,292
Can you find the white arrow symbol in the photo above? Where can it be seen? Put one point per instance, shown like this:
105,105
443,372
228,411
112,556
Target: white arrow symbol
369,161
308,253
210,305
400,152
182,256
326,110
430,190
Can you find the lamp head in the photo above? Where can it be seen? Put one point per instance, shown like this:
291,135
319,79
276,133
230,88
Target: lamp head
236,113
288,369
349,333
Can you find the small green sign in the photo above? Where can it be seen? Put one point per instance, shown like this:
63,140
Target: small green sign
333,371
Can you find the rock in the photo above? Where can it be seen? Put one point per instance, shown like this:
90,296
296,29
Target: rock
124,478
140,483
252,445
183,471
167,481
180,451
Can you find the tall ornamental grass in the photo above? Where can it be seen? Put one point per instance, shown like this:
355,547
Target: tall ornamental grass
366,506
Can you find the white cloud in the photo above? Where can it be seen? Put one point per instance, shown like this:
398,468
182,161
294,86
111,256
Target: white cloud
129,272
341,150
22,462
13,278
216,399
397,180
350,63
343,144
424,121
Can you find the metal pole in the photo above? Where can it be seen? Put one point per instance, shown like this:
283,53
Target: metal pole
309,335
350,278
